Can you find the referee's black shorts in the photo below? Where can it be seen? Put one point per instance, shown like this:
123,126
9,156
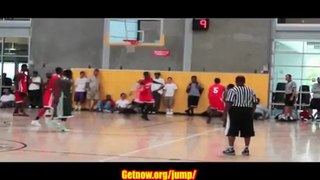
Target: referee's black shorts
240,121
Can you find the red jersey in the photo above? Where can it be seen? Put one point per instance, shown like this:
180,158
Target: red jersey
145,93
215,96
52,80
22,85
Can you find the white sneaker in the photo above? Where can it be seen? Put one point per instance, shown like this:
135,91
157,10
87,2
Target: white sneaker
53,123
171,113
35,123
168,113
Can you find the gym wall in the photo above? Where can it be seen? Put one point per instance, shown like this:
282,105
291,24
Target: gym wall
114,82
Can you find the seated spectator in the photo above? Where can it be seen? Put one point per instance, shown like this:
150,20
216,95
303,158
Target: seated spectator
123,105
7,100
261,112
107,105
305,115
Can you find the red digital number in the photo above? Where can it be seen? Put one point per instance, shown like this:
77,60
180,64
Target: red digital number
204,23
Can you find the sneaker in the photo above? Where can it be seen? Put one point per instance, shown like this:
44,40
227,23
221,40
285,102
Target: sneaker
246,152
290,118
229,151
54,124
208,120
145,117
35,123
63,128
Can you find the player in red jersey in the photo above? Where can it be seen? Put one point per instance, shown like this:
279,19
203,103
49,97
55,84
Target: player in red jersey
50,96
216,99
21,90
144,95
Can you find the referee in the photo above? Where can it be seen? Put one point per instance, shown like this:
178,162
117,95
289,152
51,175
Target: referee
240,104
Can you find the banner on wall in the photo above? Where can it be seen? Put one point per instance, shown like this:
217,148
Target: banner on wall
161,53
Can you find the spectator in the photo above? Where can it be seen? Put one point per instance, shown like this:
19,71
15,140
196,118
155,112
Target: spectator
7,100
290,97
94,88
80,92
315,101
35,90
7,82
261,111
107,105
123,105
169,92
194,91
157,91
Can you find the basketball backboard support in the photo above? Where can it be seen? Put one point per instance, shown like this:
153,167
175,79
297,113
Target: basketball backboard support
149,32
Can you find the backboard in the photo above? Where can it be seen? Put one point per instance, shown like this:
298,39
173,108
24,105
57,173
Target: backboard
149,32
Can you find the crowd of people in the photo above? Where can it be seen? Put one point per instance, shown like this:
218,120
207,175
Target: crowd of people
235,105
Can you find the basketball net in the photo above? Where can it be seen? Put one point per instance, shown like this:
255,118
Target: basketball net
131,45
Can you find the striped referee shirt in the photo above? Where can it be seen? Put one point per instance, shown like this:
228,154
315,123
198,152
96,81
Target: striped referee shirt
241,96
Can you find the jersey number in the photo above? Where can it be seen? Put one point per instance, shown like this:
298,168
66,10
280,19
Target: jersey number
215,90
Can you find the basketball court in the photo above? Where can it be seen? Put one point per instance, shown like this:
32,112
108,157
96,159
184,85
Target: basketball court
104,137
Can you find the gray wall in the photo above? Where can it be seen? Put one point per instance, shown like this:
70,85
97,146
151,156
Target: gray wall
66,43
143,57
232,45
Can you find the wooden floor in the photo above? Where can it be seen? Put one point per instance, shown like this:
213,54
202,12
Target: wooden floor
98,137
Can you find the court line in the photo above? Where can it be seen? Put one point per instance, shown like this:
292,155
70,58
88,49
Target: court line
159,145
107,155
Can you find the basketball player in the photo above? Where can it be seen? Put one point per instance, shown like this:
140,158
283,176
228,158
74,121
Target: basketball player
50,96
21,91
144,97
63,110
216,99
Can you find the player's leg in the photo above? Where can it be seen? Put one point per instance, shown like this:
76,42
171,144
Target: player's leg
24,105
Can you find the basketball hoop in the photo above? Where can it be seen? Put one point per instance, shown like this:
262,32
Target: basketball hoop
131,44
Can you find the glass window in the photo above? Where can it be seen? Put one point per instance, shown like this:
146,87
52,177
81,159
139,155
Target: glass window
16,46
9,69
280,72
0,46
311,72
311,60
288,59
311,47
17,19
307,82
123,29
289,46
298,21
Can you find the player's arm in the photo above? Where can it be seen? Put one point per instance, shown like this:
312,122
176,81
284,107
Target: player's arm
161,87
229,102
200,88
38,82
294,91
56,90
16,82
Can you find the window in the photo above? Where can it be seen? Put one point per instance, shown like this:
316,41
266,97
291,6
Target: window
16,46
123,29
298,21
288,59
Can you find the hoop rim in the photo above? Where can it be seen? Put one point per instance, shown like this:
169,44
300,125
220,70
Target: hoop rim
131,42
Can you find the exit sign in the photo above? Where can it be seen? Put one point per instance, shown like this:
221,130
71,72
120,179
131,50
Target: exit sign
200,24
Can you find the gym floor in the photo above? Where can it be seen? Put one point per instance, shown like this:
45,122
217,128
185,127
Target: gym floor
104,137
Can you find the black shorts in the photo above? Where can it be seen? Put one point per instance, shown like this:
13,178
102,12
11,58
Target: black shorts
193,101
288,102
315,104
241,120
